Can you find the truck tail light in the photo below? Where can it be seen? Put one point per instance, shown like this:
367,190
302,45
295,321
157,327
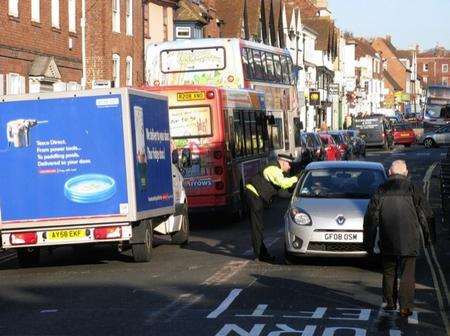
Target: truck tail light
210,95
23,238
218,170
109,232
219,185
218,154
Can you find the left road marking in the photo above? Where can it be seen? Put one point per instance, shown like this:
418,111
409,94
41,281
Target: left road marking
225,303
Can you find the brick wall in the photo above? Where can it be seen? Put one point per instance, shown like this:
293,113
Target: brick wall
434,75
21,40
102,42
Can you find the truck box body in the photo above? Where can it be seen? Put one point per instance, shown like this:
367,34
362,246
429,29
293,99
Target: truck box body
83,159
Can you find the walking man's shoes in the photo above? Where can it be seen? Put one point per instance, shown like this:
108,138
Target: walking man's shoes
405,312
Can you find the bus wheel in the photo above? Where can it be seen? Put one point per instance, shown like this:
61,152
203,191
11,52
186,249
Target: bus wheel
143,247
29,256
182,237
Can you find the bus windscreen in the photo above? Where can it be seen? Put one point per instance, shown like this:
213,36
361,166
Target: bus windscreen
190,122
196,59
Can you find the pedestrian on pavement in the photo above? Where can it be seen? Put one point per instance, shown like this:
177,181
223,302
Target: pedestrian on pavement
399,210
260,191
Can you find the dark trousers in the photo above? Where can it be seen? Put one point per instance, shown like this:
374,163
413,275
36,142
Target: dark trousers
256,210
393,268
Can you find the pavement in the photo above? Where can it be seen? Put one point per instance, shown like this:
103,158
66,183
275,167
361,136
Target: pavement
214,287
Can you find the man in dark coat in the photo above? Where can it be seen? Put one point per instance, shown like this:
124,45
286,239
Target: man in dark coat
399,211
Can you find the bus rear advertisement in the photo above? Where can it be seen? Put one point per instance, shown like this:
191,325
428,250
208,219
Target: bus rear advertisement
226,132
437,109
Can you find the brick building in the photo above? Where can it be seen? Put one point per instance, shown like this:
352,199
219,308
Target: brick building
434,66
115,43
40,46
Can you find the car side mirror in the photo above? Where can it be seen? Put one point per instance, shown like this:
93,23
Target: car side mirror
186,157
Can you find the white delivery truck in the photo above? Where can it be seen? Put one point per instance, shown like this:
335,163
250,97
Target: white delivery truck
88,167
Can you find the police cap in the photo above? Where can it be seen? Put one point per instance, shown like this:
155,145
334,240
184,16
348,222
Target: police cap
286,157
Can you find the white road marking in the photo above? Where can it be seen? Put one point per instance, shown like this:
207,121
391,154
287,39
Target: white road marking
395,332
49,311
414,318
258,312
423,154
225,273
225,304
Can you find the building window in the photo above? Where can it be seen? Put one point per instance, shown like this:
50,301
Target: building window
129,17
425,67
55,13
444,67
2,90
13,8
445,81
129,71
116,16
116,70
183,32
425,80
72,7
35,11
15,84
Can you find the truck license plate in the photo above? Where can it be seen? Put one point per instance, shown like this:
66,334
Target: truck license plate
66,234
356,237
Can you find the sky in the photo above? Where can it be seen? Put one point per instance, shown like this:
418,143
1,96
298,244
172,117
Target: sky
426,22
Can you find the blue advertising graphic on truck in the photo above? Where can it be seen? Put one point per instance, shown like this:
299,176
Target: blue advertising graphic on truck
60,159
151,148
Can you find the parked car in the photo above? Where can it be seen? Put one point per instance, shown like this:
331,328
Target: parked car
375,130
345,147
359,145
404,135
440,136
331,149
326,213
316,146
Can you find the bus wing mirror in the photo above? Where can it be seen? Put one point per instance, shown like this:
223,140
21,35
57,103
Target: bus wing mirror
186,158
271,120
175,157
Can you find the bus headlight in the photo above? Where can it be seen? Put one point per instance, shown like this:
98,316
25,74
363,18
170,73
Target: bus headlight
300,217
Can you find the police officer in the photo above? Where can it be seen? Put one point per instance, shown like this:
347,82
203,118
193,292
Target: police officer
260,190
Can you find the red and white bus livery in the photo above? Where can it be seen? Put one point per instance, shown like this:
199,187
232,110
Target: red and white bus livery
235,63
226,132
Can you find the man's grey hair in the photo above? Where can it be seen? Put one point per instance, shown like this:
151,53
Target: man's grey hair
398,167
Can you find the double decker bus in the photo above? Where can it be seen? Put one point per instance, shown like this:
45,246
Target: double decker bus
437,108
226,132
235,63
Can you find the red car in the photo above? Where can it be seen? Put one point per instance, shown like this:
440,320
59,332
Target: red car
404,135
332,150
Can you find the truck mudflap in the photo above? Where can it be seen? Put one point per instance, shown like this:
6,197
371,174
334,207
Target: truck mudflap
80,234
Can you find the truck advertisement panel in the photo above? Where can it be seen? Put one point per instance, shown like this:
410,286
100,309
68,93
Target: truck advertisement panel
62,158
152,155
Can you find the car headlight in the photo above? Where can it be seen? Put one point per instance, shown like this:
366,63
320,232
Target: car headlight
300,217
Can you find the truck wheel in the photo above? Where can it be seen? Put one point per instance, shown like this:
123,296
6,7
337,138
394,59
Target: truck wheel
142,252
182,237
28,256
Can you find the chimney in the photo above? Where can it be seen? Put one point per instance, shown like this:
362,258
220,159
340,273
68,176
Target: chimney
389,38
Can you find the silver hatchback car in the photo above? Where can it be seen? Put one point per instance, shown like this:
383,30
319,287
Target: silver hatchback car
326,213
440,136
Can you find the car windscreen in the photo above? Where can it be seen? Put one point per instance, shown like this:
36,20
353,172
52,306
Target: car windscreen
433,111
337,138
340,183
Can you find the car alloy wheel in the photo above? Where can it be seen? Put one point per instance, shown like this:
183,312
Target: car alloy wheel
428,143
